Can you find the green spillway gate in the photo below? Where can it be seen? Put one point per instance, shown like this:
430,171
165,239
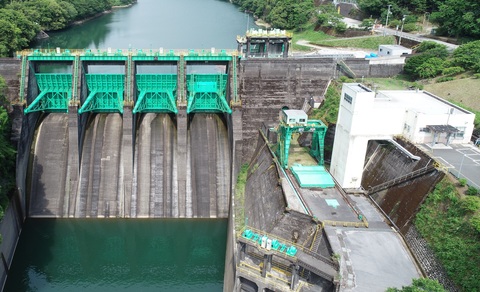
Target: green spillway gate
207,93
156,93
105,93
55,93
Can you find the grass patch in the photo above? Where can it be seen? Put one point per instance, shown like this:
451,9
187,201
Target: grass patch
307,34
328,112
240,197
370,42
445,222
386,83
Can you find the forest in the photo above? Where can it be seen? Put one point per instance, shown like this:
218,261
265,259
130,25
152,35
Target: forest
454,18
21,21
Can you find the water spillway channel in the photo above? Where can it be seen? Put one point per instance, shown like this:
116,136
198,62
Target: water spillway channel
165,187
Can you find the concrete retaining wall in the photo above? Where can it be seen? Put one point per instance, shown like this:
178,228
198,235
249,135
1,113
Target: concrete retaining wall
384,162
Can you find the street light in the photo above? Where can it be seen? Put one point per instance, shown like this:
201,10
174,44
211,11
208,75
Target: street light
401,30
426,17
386,23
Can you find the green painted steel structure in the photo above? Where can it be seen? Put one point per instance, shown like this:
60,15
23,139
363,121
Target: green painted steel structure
285,131
109,92
55,93
105,93
207,93
156,93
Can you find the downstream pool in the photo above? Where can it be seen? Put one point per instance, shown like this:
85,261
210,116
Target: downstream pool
119,255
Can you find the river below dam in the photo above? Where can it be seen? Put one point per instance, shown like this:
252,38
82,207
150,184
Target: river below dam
132,254
119,255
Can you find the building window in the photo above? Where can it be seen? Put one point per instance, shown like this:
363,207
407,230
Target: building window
460,134
348,98
425,130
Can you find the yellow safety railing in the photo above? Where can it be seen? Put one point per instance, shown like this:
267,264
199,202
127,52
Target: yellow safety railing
363,223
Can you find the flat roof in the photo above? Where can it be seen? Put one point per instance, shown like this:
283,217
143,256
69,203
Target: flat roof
358,87
418,100
395,47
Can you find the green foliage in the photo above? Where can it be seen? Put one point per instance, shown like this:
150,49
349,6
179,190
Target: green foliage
471,191
468,56
444,79
448,229
284,14
367,23
470,204
328,111
458,18
462,182
240,197
7,153
394,23
453,70
420,285
429,63
370,43
430,68
475,222
476,75
328,16
341,27
20,21
409,27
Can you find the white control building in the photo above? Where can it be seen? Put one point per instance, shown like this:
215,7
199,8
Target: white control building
418,116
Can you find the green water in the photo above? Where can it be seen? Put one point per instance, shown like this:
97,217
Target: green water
153,24
119,255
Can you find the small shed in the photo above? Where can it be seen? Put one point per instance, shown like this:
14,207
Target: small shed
393,50
292,117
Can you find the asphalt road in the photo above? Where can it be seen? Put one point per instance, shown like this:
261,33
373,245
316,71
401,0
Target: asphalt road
463,161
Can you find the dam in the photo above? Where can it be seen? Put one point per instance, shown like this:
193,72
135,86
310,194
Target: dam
162,134
163,157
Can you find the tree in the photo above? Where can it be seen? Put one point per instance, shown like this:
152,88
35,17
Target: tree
468,56
430,68
458,18
420,285
328,16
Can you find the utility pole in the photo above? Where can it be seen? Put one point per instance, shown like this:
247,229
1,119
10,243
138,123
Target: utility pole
386,23
401,30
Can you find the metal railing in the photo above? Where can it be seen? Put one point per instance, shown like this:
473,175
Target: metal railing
401,179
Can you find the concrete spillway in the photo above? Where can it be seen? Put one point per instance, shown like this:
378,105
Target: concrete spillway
157,169
99,192
155,191
49,168
168,178
209,166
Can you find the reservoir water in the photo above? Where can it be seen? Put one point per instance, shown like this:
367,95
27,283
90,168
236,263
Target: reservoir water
153,24
132,254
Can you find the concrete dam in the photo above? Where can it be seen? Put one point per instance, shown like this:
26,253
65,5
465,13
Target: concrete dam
164,136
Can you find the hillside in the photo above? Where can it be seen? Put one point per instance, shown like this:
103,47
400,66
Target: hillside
460,91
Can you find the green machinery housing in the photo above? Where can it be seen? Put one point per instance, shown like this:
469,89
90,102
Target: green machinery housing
146,92
296,121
